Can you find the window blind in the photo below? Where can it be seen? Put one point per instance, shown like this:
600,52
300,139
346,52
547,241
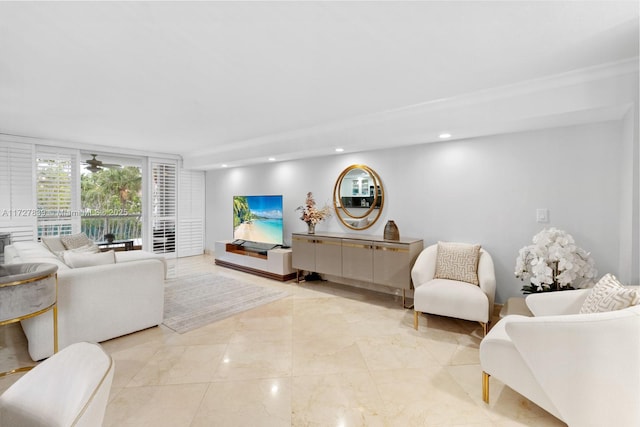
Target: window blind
163,216
191,213
56,175
17,201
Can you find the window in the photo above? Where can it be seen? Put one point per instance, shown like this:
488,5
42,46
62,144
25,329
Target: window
57,204
112,202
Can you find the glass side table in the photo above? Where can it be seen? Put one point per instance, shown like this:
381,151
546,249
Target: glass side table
515,305
28,290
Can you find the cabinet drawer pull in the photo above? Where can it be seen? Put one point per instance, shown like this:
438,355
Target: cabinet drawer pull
386,248
357,245
328,242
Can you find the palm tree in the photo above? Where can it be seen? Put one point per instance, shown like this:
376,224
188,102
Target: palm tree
241,212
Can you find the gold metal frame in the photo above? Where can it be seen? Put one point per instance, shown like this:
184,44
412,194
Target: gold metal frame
53,307
342,211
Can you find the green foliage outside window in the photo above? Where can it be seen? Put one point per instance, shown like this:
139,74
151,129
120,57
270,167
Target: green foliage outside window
113,190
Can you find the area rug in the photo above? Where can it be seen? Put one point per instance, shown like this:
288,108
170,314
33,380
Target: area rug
191,302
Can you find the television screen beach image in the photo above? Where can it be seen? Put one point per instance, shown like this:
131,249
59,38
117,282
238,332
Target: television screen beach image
258,219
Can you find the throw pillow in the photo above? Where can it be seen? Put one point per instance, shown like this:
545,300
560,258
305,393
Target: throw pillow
54,244
91,248
458,261
609,295
83,259
74,241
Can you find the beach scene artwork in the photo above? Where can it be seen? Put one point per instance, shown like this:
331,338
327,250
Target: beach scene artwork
258,219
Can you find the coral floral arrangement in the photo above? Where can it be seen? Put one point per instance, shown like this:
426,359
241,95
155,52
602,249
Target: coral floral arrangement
310,213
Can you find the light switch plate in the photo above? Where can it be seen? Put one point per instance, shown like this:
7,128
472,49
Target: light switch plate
542,215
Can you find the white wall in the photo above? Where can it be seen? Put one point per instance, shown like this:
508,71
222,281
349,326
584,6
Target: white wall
483,190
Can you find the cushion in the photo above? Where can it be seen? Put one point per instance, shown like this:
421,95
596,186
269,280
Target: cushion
74,241
48,260
54,244
84,259
457,261
609,295
28,250
90,248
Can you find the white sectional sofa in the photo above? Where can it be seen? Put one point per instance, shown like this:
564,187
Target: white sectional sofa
95,303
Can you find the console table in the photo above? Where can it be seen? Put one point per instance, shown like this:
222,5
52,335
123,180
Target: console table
359,257
515,305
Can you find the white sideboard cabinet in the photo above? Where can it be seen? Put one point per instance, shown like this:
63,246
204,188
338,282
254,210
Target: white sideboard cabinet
359,257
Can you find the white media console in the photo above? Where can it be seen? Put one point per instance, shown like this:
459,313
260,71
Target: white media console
273,263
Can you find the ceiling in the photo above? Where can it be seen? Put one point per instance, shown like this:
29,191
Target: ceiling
238,82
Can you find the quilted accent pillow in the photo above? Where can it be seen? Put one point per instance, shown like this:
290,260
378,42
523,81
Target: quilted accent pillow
74,241
609,295
457,261
84,259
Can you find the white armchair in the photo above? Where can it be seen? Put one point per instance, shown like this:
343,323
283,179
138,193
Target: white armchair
71,388
453,298
582,368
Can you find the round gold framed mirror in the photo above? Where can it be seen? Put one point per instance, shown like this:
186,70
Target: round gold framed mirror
358,197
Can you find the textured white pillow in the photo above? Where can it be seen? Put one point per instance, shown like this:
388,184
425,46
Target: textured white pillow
74,241
609,295
457,261
91,248
54,244
84,259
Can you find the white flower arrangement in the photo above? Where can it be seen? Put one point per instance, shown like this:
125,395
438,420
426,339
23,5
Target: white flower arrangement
553,262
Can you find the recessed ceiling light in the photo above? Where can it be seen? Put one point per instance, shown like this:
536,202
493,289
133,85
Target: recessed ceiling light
444,135
224,165
339,150
272,159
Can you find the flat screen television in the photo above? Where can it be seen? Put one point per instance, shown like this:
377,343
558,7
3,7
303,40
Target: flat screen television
258,219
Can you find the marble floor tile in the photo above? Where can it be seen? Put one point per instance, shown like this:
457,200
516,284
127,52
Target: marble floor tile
159,406
347,399
180,365
255,360
326,355
250,403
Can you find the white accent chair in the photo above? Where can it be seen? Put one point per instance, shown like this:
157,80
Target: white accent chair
452,298
71,388
582,368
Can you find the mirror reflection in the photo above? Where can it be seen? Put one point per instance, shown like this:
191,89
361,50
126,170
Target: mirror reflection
358,197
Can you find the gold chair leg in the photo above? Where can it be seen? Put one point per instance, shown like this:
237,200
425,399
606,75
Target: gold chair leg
485,387
415,319
485,328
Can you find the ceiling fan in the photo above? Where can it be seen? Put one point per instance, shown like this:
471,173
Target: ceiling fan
95,165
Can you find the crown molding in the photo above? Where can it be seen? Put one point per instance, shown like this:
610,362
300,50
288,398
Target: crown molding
94,148
502,109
